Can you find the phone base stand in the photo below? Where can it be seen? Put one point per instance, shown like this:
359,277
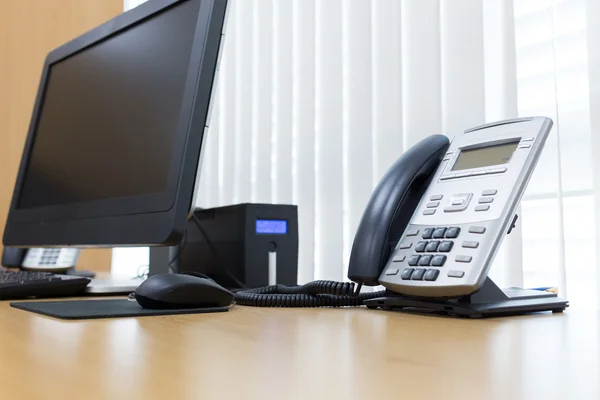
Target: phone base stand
488,301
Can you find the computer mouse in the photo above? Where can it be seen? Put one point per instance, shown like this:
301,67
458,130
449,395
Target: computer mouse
165,291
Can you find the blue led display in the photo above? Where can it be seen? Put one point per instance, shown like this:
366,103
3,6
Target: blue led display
271,227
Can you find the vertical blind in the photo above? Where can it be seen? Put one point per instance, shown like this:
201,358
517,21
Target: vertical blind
559,229
317,98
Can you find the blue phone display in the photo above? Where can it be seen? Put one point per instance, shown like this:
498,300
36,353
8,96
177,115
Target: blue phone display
271,227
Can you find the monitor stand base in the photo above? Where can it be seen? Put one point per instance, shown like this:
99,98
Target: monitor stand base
61,271
81,273
488,301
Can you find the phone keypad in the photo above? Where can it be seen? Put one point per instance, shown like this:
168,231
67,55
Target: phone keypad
439,233
438,261
452,232
421,246
425,258
446,246
49,257
432,246
414,260
431,274
407,273
418,274
427,233
425,261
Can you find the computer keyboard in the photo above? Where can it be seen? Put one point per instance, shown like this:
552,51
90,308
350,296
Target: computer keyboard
24,284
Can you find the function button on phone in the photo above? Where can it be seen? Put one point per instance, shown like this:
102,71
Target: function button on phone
425,261
399,259
433,204
470,244
496,171
458,202
446,246
456,274
486,200
412,232
438,261
463,259
414,260
417,274
447,177
391,272
439,233
525,146
429,211
420,247
405,245
427,233
478,173
431,274
406,273
452,232
436,197
477,229
527,139
489,192
482,208
462,175
432,247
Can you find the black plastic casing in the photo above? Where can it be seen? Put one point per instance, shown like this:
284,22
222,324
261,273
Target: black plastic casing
391,207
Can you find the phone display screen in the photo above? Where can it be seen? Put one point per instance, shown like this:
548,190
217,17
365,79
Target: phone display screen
485,156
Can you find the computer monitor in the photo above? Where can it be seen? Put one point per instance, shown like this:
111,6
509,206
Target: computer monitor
114,147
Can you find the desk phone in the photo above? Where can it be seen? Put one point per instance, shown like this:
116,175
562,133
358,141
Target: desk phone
469,206
434,224
437,218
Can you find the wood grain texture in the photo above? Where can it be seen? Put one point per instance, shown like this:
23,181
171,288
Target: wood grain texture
251,353
29,29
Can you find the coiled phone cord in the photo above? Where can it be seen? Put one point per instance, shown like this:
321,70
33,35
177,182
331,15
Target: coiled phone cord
312,294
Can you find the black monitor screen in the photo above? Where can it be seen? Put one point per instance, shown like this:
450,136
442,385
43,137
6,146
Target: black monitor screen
109,114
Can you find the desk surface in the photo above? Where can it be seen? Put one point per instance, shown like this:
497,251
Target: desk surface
251,353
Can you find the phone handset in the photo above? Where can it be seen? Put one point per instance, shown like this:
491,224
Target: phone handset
391,207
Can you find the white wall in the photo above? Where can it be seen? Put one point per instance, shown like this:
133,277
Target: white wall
317,98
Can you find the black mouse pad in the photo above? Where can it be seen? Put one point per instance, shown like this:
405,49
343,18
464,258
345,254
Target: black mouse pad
92,309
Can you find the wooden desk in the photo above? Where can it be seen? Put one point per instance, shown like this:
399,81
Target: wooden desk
251,353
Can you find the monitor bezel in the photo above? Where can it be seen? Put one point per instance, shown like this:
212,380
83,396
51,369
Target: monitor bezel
99,223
